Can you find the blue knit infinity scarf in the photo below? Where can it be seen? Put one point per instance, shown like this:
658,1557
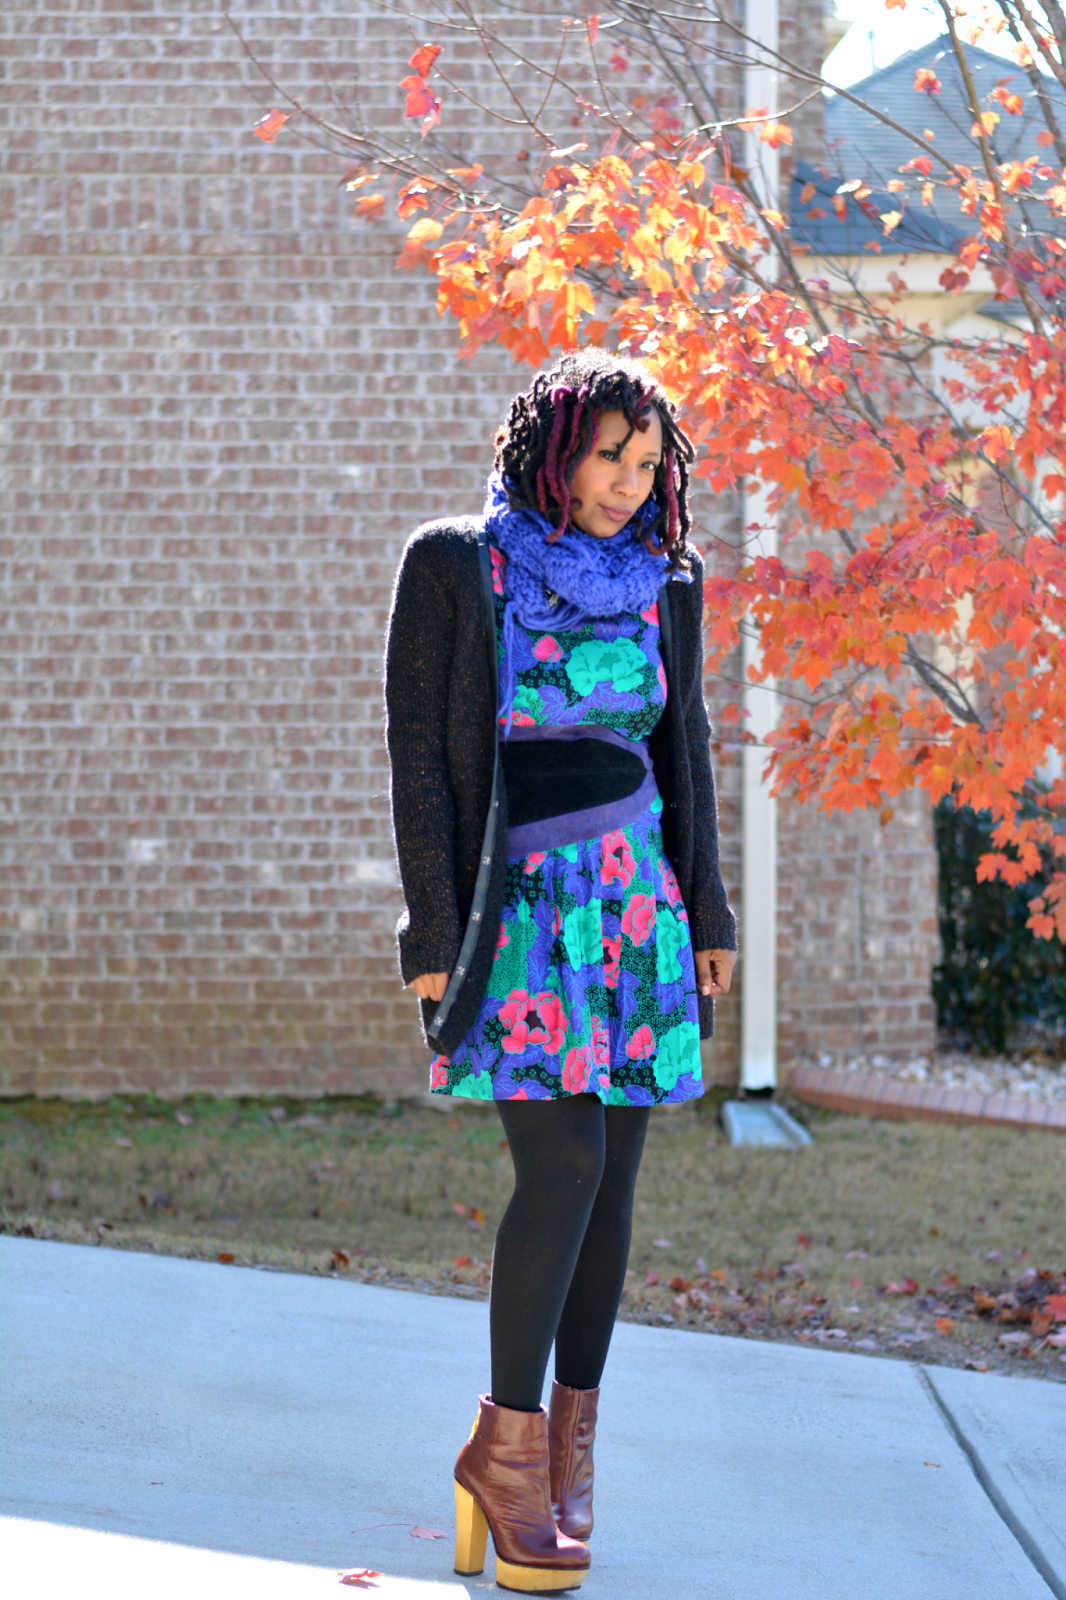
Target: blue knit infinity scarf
563,584
579,576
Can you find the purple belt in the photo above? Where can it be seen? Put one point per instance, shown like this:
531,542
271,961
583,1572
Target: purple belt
631,772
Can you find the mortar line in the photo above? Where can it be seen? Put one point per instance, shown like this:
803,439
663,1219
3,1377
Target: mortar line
984,1478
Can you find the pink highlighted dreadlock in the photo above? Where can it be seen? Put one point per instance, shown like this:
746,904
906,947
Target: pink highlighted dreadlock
538,467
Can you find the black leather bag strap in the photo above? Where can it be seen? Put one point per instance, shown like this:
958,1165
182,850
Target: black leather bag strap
488,842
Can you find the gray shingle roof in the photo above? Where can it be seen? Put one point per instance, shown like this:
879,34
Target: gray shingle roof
858,146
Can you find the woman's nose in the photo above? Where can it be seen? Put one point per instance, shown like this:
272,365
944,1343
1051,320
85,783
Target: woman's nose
625,481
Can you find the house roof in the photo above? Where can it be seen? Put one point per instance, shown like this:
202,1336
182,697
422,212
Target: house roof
858,146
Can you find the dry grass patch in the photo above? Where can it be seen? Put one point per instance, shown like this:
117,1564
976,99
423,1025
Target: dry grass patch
763,1243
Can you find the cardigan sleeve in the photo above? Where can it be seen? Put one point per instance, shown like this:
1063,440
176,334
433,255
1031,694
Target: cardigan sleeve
713,925
418,662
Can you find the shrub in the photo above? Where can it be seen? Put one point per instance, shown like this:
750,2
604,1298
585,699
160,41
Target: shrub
996,985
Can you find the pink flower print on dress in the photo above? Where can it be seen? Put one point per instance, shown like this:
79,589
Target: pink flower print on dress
670,884
576,1070
552,1031
520,718
660,673
642,1044
651,613
499,567
638,919
548,649
503,941
517,1040
533,861
516,1008
438,1073
612,952
617,858
601,1044
557,922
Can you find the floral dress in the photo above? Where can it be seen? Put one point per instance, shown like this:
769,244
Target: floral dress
593,988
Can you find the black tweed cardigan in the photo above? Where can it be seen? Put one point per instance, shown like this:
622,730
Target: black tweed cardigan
440,729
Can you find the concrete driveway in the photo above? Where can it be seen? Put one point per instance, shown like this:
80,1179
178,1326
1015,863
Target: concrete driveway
174,1427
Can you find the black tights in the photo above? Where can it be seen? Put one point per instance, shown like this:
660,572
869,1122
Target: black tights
561,1251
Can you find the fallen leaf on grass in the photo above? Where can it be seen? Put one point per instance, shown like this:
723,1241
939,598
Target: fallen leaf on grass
663,1244
428,1533
124,1144
856,1283
1040,1324
908,1286
975,1366
945,1324
183,1119
340,1259
680,1283
801,1238
1056,1304
358,1577
226,1257
651,1280
463,1261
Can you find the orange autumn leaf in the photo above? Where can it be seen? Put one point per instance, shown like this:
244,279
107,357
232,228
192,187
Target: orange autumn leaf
423,59
775,134
268,127
926,81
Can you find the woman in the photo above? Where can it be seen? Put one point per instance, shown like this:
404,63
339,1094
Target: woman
566,927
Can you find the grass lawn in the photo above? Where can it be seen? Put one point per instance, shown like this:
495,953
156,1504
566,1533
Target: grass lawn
875,1238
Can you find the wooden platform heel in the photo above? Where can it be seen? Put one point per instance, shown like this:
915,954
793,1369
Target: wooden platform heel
502,1488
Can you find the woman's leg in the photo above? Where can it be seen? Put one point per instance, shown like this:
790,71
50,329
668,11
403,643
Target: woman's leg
558,1148
587,1321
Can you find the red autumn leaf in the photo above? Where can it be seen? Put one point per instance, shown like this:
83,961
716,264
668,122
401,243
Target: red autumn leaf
945,1325
423,59
594,28
856,1283
680,1283
359,1577
459,1208
1056,1304
801,1238
926,81
1045,138
268,127
226,1257
421,101
463,1261
340,1259
619,62
651,1280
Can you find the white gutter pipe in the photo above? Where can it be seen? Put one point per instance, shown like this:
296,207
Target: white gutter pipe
758,1067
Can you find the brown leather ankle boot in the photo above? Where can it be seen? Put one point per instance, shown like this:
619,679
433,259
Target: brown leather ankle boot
501,1487
571,1432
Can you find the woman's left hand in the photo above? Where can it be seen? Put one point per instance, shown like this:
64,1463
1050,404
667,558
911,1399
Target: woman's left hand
714,970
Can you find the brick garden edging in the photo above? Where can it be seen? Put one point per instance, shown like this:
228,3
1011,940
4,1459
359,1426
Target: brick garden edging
872,1094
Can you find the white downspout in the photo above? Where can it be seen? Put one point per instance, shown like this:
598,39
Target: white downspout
758,1069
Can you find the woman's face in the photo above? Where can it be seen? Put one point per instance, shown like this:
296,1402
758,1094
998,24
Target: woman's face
610,484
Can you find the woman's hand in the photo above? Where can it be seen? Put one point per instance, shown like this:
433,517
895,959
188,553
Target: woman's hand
431,985
714,970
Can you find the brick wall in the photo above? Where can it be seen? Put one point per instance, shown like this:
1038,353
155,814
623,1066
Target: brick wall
223,413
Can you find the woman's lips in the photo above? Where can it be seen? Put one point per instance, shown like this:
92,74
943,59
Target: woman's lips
617,513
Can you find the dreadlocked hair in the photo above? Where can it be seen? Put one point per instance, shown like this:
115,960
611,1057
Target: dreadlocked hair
550,428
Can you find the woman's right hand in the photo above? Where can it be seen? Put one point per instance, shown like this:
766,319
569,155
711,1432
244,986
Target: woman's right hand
430,986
